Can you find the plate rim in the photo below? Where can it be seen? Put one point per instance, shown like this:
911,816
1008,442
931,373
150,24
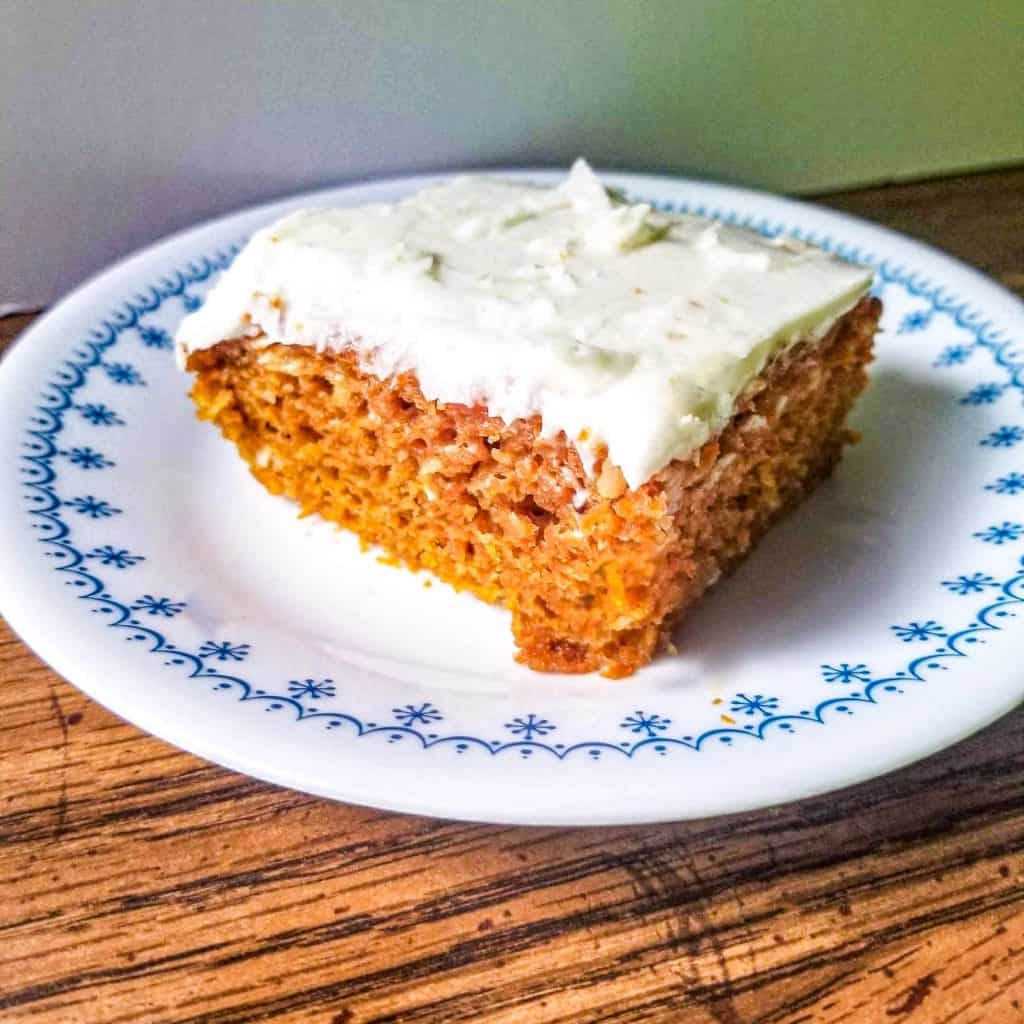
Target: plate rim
66,307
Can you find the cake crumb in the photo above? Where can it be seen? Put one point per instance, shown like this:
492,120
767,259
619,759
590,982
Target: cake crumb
597,588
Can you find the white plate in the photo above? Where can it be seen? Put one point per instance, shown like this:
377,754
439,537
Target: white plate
879,623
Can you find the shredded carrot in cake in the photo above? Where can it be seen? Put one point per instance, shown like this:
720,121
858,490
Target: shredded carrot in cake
595,574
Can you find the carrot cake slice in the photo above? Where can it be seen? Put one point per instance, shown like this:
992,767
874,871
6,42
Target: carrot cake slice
568,403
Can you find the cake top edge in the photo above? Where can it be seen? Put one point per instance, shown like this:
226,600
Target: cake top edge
613,321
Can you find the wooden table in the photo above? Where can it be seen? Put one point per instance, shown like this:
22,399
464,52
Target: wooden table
141,884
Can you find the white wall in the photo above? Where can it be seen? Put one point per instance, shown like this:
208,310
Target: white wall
125,120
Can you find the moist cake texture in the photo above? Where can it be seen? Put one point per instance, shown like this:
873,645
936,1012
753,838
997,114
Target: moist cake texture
568,404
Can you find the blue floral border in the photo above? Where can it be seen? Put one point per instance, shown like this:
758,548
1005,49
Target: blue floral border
528,731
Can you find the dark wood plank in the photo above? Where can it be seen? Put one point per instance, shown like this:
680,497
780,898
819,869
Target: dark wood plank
979,218
138,883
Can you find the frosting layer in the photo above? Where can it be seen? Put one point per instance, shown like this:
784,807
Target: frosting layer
618,324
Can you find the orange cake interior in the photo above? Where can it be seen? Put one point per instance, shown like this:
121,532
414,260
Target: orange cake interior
596,574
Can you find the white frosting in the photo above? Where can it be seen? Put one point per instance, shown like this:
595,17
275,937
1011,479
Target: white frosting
615,323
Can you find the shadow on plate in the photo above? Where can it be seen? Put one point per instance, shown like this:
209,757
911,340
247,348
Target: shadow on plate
841,550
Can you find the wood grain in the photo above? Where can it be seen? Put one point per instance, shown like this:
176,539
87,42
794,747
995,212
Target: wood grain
138,883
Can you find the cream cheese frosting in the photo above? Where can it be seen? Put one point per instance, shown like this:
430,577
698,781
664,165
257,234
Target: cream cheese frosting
615,323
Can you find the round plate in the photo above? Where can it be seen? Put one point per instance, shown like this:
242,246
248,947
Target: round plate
880,622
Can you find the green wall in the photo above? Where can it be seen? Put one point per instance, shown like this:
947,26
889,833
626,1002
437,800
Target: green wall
804,96
126,119
798,95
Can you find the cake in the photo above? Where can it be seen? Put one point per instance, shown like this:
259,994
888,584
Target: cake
569,404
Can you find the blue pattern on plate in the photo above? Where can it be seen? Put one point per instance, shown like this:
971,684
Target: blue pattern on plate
99,415
1003,437
531,732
